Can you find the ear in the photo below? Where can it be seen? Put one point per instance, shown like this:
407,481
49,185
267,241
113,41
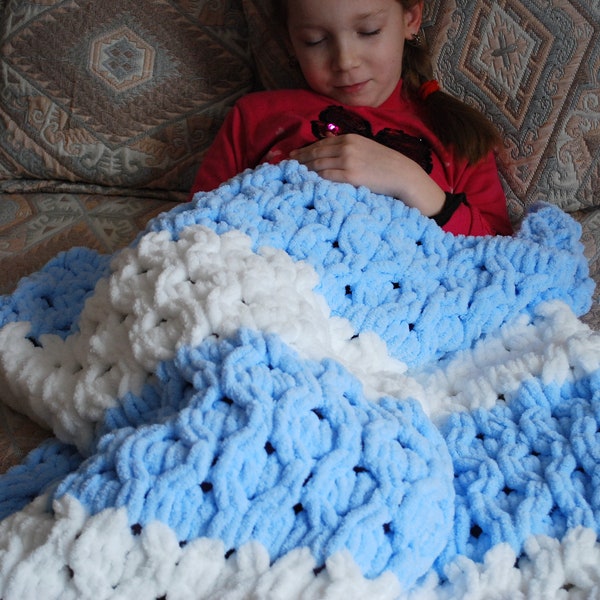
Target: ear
413,17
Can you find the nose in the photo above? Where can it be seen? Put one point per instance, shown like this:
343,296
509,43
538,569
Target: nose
345,55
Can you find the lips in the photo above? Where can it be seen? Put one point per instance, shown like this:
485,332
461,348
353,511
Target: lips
353,88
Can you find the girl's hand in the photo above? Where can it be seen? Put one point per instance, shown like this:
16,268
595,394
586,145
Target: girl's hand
355,159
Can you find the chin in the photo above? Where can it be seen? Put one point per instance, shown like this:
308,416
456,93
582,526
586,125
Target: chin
349,100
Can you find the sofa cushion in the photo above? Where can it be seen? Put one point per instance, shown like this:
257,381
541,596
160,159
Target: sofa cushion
35,227
534,69
590,237
118,92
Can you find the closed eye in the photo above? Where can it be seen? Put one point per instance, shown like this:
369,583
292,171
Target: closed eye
310,43
370,33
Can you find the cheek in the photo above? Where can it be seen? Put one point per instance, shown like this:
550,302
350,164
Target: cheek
312,68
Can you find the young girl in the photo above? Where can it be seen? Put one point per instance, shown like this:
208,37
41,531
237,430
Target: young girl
372,116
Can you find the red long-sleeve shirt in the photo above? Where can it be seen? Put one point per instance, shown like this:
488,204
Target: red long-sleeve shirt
267,126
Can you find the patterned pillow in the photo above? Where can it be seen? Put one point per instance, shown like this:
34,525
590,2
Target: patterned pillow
118,92
534,68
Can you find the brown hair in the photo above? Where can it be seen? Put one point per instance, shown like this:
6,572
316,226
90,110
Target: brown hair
455,122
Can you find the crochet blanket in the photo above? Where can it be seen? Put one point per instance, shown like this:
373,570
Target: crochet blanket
290,388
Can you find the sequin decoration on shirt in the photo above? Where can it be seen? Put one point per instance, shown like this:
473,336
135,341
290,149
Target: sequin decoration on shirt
338,120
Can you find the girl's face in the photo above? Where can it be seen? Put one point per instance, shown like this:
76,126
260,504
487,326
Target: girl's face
351,50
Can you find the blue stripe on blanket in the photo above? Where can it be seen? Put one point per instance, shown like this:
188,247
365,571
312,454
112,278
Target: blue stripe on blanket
373,257
526,467
52,298
262,445
224,465
42,470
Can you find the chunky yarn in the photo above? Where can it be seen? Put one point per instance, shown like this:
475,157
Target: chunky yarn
295,388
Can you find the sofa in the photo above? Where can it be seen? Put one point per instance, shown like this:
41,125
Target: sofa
106,109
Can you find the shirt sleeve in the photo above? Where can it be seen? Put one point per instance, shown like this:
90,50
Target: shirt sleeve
225,157
483,209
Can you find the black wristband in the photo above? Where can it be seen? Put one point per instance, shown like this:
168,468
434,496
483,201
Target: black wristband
452,202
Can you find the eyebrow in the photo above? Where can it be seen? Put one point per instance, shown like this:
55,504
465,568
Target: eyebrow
359,17
364,16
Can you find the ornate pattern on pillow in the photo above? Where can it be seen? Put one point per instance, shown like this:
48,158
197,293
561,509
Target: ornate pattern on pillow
534,68
590,236
35,227
118,92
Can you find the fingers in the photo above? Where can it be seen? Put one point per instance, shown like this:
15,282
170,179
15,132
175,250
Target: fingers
326,148
331,158
346,158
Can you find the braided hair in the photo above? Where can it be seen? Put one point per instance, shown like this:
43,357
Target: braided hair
454,122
